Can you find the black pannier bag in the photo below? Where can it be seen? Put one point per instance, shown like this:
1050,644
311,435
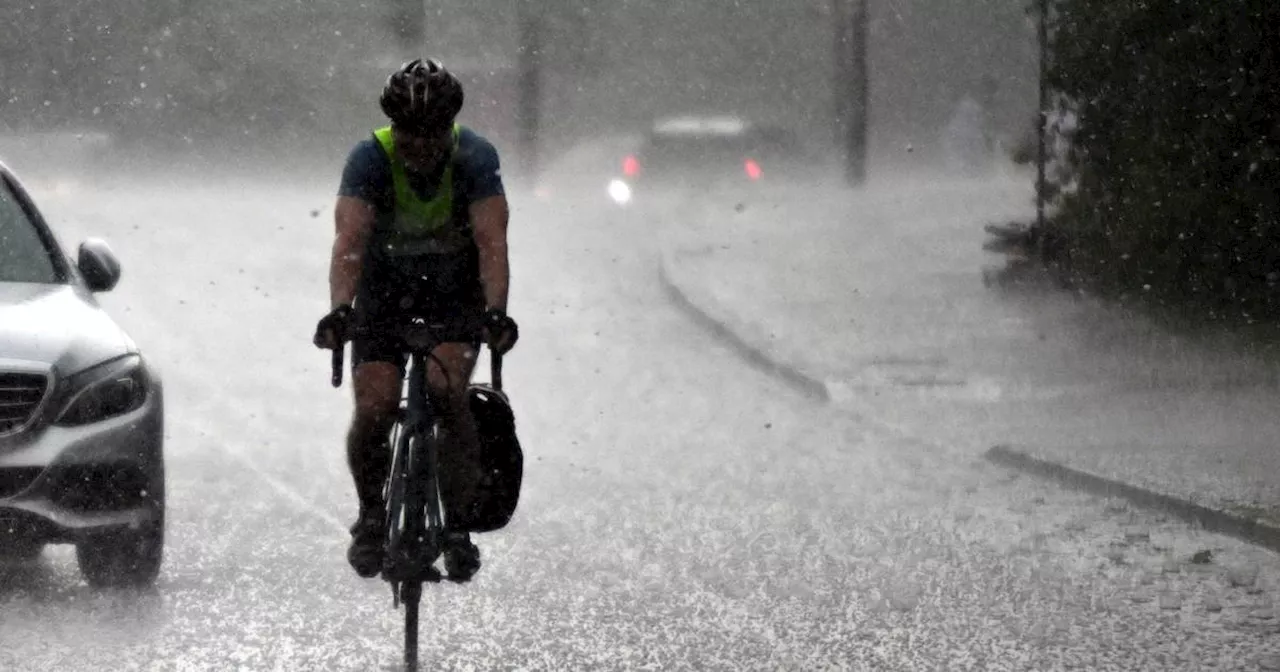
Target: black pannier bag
501,460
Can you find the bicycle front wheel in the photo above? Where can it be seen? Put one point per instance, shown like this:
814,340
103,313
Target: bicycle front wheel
411,596
417,542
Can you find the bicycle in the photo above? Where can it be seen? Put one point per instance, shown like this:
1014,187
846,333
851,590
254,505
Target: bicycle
415,524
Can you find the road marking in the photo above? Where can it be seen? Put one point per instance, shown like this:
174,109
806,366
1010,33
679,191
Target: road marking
284,490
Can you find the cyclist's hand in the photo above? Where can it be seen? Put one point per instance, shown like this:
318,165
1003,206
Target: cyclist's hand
331,331
500,331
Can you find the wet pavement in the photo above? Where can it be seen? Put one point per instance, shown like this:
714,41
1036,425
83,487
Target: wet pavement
877,302
681,511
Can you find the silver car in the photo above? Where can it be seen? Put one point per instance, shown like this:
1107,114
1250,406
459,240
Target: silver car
81,413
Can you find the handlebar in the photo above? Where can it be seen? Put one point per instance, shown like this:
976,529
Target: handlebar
339,354
421,339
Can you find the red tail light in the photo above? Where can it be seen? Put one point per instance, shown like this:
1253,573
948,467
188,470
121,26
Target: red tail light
631,166
753,169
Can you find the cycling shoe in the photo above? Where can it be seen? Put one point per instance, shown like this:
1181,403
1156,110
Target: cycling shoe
461,557
366,550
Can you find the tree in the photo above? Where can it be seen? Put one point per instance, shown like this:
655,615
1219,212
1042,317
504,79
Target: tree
1175,154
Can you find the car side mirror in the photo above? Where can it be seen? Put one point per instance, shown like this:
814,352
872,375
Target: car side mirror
98,265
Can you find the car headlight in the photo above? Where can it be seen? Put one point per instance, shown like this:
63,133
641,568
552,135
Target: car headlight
620,192
104,391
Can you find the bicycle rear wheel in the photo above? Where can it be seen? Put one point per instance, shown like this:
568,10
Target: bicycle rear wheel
394,492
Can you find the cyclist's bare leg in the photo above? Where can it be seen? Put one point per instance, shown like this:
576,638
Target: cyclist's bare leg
377,388
459,465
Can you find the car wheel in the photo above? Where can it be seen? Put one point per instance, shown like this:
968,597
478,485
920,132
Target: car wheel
20,550
127,558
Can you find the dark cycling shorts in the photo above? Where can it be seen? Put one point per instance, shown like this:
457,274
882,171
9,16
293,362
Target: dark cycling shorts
383,309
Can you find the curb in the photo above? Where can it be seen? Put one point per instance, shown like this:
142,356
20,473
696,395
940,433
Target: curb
1214,520
792,376
1249,530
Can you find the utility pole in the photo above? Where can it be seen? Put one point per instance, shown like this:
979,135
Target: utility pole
851,88
840,70
529,86
1042,126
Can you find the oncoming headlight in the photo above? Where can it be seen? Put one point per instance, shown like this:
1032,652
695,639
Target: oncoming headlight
105,391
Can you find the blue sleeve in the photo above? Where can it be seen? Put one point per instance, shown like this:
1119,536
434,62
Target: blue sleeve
481,170
367,175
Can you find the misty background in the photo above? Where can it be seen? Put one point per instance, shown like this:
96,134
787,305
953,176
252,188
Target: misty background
288,76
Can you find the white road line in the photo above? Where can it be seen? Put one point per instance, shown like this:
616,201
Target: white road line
284,490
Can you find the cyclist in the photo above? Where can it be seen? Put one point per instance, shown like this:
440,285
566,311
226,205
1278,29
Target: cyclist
421,231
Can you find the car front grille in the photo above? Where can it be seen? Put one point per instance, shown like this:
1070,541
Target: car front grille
20,396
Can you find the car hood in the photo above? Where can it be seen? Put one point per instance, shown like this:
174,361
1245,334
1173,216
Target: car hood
57,325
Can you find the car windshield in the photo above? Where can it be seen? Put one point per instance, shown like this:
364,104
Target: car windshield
666,152
693,152
24,257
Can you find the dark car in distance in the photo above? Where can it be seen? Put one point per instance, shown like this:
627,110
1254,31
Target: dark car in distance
700,152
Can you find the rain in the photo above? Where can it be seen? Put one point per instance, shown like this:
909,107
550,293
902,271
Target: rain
853,334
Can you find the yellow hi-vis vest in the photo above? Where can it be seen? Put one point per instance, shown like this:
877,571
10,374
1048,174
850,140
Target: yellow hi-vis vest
421,226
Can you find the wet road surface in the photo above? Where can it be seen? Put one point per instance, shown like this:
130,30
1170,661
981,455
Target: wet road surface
681,510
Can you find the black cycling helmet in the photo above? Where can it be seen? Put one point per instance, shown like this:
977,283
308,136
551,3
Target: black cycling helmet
422,95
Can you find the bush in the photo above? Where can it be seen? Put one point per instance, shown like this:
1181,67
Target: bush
1174,164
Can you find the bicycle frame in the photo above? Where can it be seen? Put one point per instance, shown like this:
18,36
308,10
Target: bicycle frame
413,490
415,523
415,519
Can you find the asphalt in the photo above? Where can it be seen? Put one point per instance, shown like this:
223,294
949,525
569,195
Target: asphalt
681,510
878,301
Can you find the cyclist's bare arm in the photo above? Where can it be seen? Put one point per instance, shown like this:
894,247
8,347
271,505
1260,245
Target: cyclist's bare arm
353,223
489,219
